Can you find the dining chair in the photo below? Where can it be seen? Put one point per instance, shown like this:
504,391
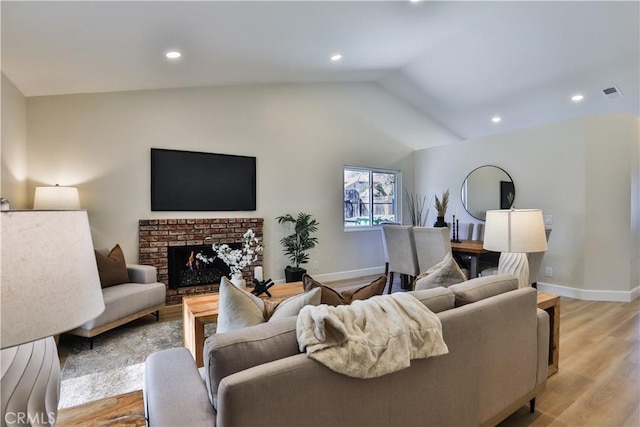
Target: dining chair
384,247
479,232
465,230
401,251
432,244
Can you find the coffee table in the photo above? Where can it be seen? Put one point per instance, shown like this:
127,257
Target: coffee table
202,309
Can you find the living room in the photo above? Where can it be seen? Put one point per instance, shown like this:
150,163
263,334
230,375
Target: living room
580,166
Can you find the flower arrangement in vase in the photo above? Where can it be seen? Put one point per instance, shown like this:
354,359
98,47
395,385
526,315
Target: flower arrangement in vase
236,259
441,207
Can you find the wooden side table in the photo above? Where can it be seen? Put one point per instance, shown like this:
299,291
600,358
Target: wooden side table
551,304
202,309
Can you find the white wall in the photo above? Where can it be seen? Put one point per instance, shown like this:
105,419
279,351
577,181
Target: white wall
14,145
302,135
579,171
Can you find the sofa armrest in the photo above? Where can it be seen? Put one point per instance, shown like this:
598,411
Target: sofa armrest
139,273
174,391
543,346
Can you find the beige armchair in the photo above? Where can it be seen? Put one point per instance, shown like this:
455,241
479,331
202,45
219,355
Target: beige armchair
125,302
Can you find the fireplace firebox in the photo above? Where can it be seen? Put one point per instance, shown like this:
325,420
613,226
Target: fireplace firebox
185,269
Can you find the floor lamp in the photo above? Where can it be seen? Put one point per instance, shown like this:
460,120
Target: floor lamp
49,284
515,232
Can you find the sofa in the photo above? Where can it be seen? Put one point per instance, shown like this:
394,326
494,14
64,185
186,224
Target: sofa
125,302
498,344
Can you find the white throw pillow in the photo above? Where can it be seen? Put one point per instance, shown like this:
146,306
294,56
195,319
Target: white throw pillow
238,308
445,273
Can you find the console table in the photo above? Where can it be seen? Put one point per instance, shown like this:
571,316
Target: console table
551,304
202,309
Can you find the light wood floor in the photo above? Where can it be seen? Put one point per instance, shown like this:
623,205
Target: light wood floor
598,383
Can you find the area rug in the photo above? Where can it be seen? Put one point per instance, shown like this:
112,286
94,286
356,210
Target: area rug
115,365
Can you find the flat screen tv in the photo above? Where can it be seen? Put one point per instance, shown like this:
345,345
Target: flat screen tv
193,181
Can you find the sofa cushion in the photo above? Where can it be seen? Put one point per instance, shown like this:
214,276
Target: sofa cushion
483,287
112,268
436,299
445,273
226,354
125,299
333,297
238,308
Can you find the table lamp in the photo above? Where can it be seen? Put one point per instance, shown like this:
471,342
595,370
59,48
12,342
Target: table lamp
56,198
514,232
49,284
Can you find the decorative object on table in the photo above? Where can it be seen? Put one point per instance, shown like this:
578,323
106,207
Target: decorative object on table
56,198
515,232
262,287
441,207
298,243
4,204
456,229
49,285
236,259
416,203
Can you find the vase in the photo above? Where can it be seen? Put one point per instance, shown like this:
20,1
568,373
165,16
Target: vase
440,222
238,281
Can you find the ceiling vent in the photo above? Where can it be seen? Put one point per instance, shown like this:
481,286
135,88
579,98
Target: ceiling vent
612,92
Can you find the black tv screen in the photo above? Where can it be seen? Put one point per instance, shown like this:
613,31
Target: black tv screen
193,181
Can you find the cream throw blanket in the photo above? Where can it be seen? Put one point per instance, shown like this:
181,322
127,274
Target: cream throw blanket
372,337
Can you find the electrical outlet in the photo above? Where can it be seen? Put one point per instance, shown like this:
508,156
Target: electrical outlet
316,265
548,271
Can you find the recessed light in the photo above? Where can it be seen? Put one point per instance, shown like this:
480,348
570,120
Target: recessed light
174,54
577,98
496,119
415,1
336,57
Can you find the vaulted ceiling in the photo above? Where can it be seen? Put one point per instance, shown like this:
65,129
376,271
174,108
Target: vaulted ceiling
461,63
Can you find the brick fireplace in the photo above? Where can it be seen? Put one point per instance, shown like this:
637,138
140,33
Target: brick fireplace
156,236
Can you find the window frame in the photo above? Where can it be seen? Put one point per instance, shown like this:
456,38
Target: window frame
397,196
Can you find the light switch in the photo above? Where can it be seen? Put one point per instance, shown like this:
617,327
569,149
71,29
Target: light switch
548,220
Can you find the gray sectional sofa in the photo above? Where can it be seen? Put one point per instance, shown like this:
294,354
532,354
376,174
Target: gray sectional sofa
498,350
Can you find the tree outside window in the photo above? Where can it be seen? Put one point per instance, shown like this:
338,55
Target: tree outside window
370,197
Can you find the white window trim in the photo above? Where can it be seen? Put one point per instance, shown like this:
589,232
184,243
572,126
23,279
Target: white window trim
399,196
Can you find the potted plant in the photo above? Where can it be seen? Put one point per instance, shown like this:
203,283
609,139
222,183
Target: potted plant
441,207
298,243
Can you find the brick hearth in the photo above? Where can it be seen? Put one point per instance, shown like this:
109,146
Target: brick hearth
156,235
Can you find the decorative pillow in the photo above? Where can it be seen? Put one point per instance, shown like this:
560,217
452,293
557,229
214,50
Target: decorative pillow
112,268
334,298
445,273
238,309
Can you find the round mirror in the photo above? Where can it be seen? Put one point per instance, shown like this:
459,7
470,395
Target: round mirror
486,188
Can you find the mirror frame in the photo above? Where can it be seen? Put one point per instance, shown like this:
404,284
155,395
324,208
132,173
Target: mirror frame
462,190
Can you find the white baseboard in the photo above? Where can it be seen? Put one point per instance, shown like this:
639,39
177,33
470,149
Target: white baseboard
590,295
343,275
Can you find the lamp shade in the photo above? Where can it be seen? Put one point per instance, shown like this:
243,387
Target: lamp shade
515,230
56,198
49,278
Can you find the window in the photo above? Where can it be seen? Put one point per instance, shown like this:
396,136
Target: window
370,197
